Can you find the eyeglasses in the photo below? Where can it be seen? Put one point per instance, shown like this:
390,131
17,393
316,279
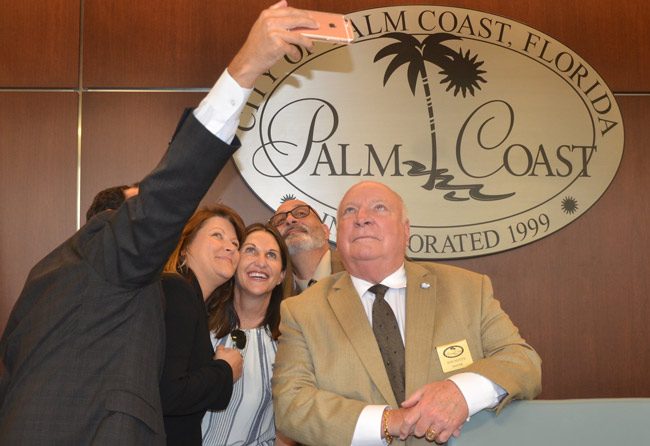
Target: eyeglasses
239,339
298,212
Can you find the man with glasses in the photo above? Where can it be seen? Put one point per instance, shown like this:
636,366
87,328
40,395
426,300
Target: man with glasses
307,238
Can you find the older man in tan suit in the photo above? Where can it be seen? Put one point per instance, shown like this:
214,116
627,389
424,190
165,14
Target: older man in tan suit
340,378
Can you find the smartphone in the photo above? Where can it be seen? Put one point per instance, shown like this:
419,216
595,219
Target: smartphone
332,28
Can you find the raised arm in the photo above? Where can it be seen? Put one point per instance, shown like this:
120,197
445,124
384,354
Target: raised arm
140,235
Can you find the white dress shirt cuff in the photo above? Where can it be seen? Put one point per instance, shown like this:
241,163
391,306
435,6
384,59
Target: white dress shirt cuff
479,392
219,111
368,429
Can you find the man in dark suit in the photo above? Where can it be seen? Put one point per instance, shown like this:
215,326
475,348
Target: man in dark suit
307,238
83,348
453,350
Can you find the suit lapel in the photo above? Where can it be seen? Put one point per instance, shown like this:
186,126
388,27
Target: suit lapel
349,311
420,312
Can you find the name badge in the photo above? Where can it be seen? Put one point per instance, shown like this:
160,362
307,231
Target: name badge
454,356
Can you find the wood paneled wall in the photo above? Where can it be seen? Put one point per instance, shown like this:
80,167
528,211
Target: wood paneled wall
580,296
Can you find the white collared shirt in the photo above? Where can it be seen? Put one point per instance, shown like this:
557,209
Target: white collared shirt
478,391
395,296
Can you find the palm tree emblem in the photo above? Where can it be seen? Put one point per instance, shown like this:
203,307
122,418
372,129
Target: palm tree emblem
461,72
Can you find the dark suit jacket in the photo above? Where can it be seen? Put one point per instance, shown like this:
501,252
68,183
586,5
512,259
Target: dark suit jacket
192,382
328,366
84,344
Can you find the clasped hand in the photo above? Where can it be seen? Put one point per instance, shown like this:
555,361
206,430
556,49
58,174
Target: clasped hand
439,407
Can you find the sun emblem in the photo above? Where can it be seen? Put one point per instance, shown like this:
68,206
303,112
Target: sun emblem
569,205
463,73
287,197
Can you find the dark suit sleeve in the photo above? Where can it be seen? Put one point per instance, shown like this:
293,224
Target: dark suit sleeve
134,241
192,381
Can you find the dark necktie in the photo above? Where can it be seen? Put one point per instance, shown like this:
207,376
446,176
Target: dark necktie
384,325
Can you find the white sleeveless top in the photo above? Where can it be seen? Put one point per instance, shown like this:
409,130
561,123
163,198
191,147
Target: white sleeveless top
248,419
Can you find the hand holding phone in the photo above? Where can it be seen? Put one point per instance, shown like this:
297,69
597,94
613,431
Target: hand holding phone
331,28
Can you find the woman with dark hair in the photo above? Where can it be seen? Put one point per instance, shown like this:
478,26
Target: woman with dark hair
195,377
247,317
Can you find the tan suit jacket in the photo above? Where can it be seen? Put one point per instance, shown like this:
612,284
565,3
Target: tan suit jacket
328,365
